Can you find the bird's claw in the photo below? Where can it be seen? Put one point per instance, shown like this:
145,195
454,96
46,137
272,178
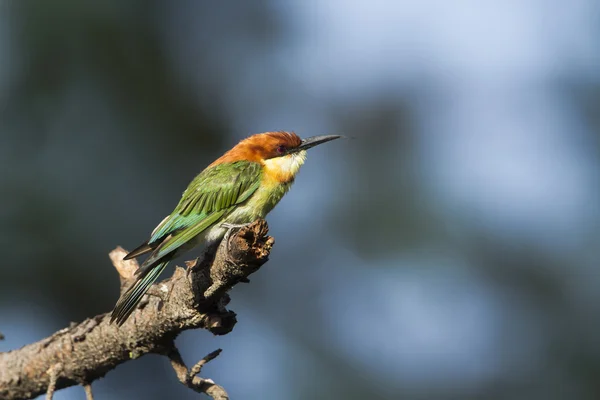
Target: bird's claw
229,226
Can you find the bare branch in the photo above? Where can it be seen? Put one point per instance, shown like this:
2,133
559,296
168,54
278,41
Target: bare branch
191,298
125,268
188,377
196,369
53,372
88,391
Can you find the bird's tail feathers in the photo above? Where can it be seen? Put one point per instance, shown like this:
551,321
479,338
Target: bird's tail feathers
130,299
138,251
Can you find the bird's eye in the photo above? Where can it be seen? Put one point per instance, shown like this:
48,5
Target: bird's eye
281,149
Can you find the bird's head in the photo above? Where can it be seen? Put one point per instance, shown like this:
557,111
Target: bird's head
281,153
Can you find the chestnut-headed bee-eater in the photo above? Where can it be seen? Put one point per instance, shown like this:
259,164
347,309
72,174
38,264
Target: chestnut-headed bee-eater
240,187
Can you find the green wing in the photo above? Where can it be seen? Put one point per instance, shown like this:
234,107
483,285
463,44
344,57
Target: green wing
212,195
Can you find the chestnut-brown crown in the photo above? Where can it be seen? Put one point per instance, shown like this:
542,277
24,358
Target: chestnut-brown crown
261,146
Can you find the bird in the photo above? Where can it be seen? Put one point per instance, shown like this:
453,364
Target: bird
241,186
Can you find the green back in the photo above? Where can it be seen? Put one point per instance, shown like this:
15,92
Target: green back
210,196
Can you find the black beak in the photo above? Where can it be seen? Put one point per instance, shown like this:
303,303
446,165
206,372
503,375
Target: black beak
314,141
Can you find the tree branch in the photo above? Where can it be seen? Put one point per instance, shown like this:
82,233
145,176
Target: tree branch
53,372
88,392
194,297
188,376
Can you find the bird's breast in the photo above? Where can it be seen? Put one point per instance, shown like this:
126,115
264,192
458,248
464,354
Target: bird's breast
260,203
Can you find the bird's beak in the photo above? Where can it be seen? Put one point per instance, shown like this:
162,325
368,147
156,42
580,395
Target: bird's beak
315,140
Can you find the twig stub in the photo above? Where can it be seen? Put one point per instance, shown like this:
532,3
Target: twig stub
53,373
89,395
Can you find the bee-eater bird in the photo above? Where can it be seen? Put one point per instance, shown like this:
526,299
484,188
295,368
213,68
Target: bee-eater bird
238,188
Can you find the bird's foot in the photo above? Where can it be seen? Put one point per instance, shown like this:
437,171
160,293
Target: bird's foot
229,226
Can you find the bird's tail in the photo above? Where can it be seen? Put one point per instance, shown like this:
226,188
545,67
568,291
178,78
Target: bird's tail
130,299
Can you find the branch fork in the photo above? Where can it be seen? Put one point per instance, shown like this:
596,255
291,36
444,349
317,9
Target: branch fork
192,298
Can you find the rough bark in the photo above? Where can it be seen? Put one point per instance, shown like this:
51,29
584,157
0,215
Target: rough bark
194,297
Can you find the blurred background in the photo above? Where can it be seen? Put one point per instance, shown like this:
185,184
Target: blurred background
449,250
